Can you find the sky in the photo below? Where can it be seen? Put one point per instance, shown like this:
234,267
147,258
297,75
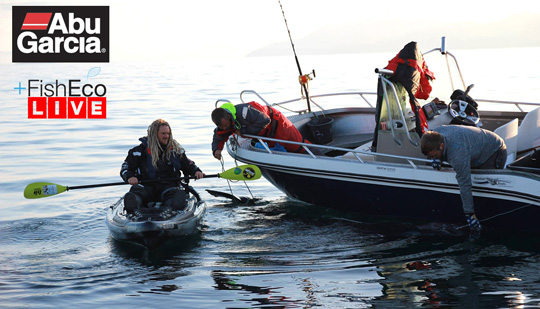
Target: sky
168,30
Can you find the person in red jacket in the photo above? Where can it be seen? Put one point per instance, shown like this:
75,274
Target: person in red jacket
255,119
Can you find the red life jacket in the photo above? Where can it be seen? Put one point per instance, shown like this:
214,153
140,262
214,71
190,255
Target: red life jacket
419,81
280,127
424,89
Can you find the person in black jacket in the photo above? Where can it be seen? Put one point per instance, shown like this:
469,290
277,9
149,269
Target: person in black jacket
159,156
255,119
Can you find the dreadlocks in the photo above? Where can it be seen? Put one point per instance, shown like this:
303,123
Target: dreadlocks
156,148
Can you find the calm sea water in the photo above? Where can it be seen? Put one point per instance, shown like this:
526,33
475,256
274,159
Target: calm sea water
57,252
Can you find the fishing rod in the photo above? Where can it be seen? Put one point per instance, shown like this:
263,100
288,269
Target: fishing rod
304,79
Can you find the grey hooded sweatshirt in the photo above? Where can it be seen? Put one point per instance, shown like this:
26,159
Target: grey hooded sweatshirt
465,148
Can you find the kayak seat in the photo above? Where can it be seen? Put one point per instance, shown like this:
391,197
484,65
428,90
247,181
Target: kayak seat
152,214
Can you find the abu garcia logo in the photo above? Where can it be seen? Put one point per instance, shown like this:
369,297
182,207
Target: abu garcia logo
28,42
61,34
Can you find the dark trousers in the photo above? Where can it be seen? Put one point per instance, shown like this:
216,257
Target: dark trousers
169,195
497,160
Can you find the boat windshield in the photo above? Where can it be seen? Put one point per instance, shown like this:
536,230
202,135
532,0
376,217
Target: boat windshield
396,95
448,76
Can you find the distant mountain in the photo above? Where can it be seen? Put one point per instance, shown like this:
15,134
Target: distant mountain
361,37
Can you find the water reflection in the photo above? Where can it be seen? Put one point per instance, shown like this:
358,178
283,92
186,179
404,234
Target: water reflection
278,253
267,297
373,264
166,254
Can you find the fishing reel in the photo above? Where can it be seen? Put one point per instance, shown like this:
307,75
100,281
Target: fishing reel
304,79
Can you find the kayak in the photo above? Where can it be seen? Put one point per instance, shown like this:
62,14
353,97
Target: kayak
156,223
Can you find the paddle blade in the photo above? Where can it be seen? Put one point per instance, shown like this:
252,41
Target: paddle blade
224,194
242,172
43,189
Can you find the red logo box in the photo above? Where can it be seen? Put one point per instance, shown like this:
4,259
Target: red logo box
67,108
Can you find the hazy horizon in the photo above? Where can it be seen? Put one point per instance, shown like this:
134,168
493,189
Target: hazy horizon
332,39
168,30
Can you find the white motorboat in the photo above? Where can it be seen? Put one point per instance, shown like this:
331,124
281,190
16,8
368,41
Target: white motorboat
371,161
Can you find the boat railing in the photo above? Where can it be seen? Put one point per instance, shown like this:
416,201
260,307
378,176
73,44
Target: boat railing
221,100
446,53
254,93
449,56
356,153
516,104
363,95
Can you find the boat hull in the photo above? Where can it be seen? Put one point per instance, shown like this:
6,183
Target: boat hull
504,199
370,199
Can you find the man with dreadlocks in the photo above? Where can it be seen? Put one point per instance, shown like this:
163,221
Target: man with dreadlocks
159,156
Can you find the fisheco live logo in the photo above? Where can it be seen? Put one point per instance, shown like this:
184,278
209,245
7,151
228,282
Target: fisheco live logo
71,100
60,34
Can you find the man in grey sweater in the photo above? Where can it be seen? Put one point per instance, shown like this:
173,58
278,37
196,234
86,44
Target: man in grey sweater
465,148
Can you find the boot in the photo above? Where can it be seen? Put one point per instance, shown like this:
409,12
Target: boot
131,202
176,200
